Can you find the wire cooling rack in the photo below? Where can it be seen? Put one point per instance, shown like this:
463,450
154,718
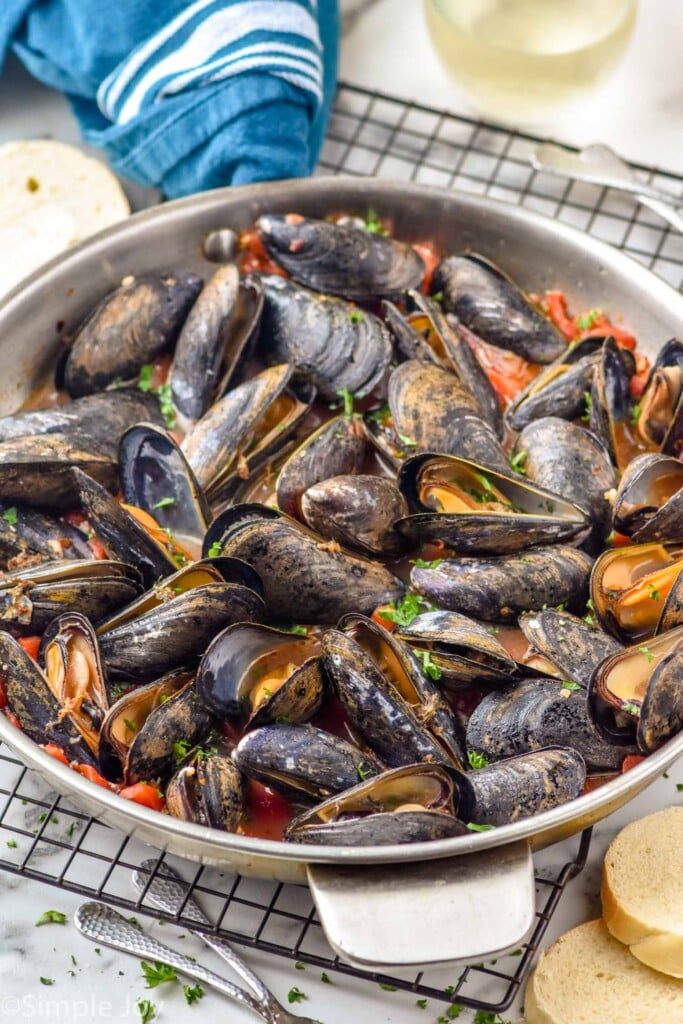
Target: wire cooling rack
42,837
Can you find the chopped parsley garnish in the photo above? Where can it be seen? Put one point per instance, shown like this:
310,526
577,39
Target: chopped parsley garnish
214,550
588,320
363,771
406,441
437,297
166,405
403,612
148,1010
296,629
648,654
192,993
380,415
347,399
429,669
635,412
630,708
517,461
12,843
479,828
157,973
654,594
47,981
453,1011
387,988
567,684
51,917
588,400
131,726
493,630
476,760
165,503
356,317
325,978
422,563
299,966
422,1003
11,516
679,787
373,225
145,378
180,750
295,995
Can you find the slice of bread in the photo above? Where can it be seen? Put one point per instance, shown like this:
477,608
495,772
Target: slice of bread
588,977
642,889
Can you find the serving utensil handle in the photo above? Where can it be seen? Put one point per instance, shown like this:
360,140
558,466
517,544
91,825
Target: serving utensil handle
407,915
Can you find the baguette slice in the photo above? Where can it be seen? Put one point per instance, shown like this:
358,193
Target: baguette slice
642,890
588,977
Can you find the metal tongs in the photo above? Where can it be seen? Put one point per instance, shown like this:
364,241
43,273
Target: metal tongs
600,165
170,893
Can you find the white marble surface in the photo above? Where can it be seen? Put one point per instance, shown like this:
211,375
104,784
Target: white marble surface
386,47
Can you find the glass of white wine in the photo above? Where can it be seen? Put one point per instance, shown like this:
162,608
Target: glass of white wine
519,60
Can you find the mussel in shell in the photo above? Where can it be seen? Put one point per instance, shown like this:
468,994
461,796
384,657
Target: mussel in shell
414,803
649,502
462,650
660,417
630,585
29,532
564,646
340,347
337,448
357,511
207,790
127,330
610,414
473,508
39,470
340,259
560,389
256,675
301,572
302,761
498,589
492,306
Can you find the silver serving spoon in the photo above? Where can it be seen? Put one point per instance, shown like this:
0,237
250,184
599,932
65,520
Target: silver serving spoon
600,165
106,926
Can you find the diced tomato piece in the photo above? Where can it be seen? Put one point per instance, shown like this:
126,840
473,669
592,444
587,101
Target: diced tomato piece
431,260
97,547
618,540
54,751
255,258
31,645
74,517
630,761
555,305
602,327
380,620
144,793
90,773
508,373
13,719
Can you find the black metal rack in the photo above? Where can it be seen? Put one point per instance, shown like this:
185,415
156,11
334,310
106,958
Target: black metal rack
42,837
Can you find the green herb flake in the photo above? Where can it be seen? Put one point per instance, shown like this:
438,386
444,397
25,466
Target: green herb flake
437,297
363,771
347,399
476,760
429,669
403,612
588,320
493,630
145,378
387,988
406,441
147,1010
12,843
157,973
517,461
374,226
47,981
51,917
422,563
654,594
215,550
165,503
567,684
180,750
635,412
192,993
166,406
422,1003
679,787
299,966
381,415
630,708
588,400
648,654
479,828
356,317
131,726
11,516
297,630
325,978
295,995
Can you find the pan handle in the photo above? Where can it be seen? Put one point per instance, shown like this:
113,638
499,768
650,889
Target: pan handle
416,914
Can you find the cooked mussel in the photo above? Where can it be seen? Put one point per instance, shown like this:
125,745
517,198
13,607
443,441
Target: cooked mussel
127,330
492,306
560,389
337,448
564,646
498,589
462,650
473,508
257,675
357,511
340,259
340,347
660,410
649,503
629,587
610,414
299,568
302,761
414,803
39,470
27,533
207,790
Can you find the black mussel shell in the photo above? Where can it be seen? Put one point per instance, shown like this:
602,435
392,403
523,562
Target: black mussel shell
649,502
462,650
610,415
40,470
564,645
358,511
630,588
560,389
26,531
660,420
336,448
207,790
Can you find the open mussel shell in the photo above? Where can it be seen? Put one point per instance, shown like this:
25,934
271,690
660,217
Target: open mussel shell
249,423
258,675
387,723
100,419
462,650
213,340
498,589
337,448
400,668
340,259
414,803
473,508
39,470
207,790
148,725
303,762
31,598
660,420
565,646
155,477
122,535
528,714
564,458
560,389
70,658
672,609
630,585
492,306
28,532
127,330
649,503
358,511
525,785
31,700
176,632
339,346
293,560
610,415
637,693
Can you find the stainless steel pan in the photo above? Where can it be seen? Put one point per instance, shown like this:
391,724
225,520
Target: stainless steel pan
449,900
